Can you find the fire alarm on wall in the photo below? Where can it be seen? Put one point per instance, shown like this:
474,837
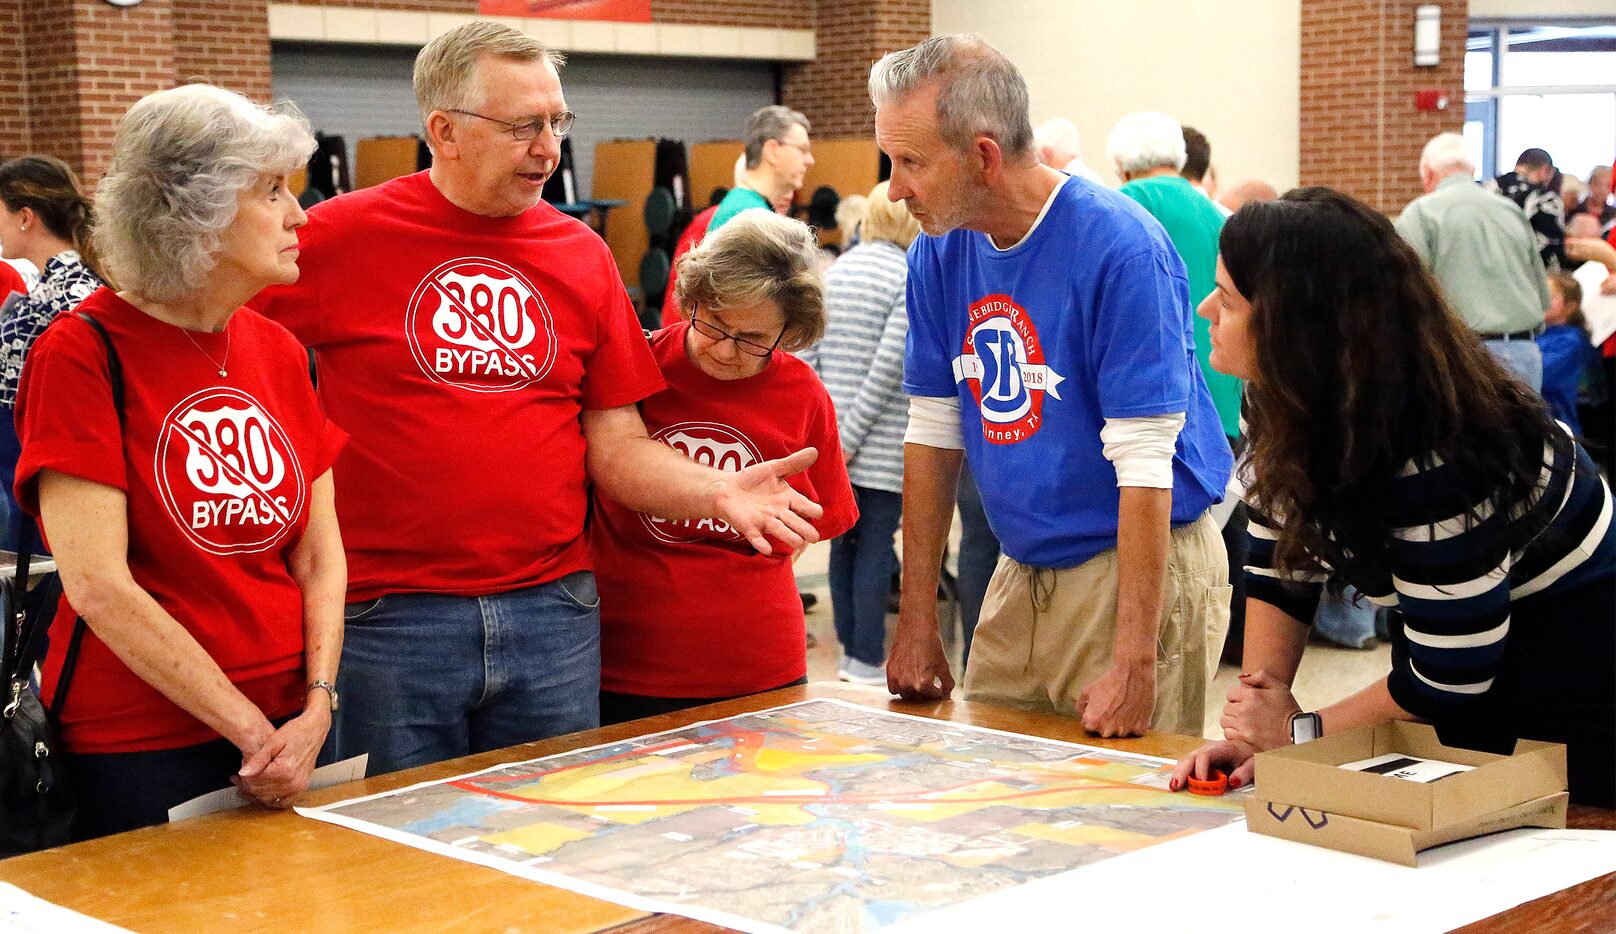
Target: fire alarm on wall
124,2
1431,100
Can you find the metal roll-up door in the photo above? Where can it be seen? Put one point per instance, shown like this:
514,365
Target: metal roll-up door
363,91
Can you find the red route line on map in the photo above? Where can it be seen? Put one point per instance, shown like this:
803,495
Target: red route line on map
747,745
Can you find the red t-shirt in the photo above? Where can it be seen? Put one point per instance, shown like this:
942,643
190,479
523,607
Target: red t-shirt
688,608
459,351
216,471
11,281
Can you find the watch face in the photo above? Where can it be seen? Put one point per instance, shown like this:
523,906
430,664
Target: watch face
1304,727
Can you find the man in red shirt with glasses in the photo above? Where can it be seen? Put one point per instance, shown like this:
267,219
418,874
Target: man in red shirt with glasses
481,351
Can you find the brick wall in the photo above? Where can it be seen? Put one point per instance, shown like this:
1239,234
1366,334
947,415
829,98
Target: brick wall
121,56
50,33
759,14
14,134
225,42
850,35
87,61
1360,131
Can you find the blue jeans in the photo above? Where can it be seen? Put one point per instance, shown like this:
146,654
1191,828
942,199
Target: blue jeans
1522,358
861,564
428,677
1347,620
978,556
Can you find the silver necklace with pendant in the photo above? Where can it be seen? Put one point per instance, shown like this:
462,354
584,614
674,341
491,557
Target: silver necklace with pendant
218,363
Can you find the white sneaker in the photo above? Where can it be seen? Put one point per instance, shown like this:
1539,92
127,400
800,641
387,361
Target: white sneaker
854,671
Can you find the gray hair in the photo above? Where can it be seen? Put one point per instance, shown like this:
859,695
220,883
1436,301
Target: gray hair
179,161
1445,154
1147,140
1060,136
446,68
771,122
758,256
980,94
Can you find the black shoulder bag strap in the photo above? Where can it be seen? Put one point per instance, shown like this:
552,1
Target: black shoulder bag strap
48,594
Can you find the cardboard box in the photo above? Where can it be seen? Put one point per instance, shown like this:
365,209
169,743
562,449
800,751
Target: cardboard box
1302,794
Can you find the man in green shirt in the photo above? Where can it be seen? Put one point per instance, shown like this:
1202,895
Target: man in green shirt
778,156
1148,149
1481,248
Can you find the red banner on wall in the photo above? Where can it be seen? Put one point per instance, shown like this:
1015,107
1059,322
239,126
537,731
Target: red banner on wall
621,11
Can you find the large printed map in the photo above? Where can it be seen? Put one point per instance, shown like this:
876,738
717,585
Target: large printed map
820,816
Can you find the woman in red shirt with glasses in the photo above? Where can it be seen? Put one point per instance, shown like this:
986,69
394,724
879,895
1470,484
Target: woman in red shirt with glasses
691,613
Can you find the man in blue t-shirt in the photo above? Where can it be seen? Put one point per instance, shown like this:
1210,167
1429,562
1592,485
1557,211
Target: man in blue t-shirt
1050,343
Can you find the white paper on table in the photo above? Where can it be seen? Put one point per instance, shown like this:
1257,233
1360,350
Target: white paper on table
22,913
1600,310
226,798
1259,883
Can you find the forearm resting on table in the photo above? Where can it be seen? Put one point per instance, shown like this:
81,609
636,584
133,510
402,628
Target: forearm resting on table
1274,641
88,531
1144,531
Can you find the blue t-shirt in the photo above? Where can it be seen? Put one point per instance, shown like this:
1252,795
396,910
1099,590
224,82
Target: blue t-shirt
1087,318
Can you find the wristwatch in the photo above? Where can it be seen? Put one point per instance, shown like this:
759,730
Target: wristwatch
327,687
1305,726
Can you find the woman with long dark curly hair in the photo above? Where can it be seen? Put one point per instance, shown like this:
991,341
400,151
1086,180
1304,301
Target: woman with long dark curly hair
1389,451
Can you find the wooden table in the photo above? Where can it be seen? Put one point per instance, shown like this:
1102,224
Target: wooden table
258,870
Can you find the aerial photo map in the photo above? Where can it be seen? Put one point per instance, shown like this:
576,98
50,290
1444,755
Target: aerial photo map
819,816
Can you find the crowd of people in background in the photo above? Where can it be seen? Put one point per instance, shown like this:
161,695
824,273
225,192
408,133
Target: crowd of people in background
412,449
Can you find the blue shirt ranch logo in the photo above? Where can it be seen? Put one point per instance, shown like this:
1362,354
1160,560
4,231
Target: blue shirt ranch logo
480,325
1003,364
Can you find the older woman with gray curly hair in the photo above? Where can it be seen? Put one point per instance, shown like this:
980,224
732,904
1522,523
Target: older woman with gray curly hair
689,612
179,464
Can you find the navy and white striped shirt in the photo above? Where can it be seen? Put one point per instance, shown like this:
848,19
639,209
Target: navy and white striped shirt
1454,578
861,360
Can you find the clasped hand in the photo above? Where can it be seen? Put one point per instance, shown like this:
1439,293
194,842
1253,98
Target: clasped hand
278,770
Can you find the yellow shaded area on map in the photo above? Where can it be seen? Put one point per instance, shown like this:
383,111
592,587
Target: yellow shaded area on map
788,760
655,788
538,838
1111,838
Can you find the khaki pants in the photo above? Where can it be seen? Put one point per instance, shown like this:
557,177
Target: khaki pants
1047,634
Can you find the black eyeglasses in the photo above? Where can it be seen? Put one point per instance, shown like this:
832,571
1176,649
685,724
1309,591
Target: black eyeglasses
715,333
560,124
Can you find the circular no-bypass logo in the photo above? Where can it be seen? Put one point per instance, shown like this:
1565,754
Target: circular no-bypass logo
1003,364
480,325
227,473
712,445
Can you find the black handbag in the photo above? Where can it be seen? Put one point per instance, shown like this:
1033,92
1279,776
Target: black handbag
36,798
